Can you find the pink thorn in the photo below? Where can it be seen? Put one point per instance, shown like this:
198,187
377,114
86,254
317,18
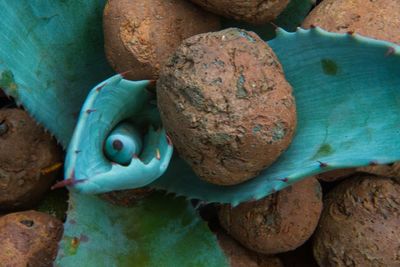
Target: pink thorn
390,51
64,183
274,25
67,182
169,141
98,89
90,111
373,163
152,83
322,164
123,74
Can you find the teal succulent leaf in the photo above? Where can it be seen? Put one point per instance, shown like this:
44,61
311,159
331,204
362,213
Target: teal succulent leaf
347,92
158,231
109,104
51,54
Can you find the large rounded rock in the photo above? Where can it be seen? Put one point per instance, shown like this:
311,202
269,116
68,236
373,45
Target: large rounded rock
29,160
377,19
141,35
277,223
226,105
238,256
360,225
251,11
29,238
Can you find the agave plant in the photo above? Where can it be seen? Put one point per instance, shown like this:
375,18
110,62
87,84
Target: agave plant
51,54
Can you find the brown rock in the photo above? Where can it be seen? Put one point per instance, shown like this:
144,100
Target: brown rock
377,19
30,160
389,170
226,105
241,257
336,175
141,35
29,238
278,223
251,11
360,225
127,198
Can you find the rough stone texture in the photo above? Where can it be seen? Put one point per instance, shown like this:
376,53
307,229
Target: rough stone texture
336,175
278,223
360,225
141,35
241,257
377,19
389,170
251,11
30,160
127,198
29,238
226,105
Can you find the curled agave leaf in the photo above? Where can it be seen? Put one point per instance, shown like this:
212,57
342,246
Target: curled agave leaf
115,145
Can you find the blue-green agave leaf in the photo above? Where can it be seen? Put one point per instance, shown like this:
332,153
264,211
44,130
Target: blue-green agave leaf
159,231
109,104
51,54
289,19
347,91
